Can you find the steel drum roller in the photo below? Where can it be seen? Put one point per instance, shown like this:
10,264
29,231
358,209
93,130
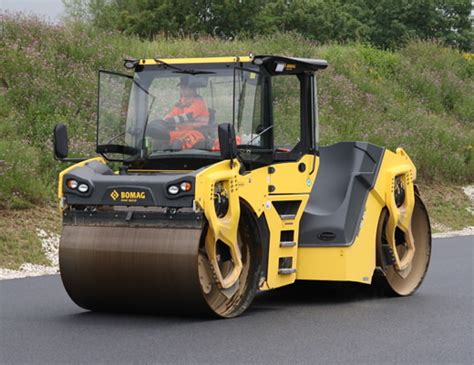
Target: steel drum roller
132,269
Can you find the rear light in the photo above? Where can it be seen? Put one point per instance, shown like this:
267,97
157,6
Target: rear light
186,186
72,184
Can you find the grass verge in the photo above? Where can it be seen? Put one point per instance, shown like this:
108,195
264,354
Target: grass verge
19,242
447,206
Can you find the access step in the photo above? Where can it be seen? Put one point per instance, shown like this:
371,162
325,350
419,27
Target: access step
287,244
286,271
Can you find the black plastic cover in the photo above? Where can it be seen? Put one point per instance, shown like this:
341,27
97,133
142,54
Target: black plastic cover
60,141
227,142
107,188
347,172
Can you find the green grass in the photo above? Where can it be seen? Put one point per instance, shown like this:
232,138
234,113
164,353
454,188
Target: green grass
19,242
448,207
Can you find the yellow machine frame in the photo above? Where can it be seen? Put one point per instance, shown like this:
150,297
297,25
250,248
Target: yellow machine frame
355,263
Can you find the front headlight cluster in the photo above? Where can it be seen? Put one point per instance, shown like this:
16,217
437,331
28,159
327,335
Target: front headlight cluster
75,185
184,187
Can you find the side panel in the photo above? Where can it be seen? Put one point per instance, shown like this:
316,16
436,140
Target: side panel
280,192
352,263
356,262
293,177
277,251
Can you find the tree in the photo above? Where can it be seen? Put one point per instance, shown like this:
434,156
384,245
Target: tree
392,22
384,23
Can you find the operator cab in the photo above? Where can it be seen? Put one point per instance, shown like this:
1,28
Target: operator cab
166,115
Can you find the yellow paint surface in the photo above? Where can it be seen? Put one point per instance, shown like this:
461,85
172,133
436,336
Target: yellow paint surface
174,61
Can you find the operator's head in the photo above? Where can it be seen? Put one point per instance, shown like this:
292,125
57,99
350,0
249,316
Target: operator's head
187,87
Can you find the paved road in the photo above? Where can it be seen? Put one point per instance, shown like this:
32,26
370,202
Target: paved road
302,324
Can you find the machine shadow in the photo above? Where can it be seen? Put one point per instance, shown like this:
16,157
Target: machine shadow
301,293
314,293
132,319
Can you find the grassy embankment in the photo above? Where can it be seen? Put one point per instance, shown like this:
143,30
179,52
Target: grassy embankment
420,97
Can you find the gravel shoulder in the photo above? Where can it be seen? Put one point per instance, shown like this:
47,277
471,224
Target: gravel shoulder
50,247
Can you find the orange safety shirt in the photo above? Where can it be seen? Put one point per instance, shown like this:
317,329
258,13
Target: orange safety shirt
195,106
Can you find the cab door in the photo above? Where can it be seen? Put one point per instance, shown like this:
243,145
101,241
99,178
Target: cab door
290,177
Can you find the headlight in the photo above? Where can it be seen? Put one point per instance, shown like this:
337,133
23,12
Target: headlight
173,189
83,188
72,184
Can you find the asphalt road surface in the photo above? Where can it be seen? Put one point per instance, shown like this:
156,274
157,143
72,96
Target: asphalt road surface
305,323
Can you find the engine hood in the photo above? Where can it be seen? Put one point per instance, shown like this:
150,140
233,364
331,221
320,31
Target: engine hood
138,189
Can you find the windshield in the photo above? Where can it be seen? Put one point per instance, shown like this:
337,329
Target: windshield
165,111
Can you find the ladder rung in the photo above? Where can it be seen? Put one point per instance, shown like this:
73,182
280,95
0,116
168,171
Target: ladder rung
286,271
287,244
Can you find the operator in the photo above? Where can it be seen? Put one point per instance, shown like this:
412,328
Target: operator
178,129
191,108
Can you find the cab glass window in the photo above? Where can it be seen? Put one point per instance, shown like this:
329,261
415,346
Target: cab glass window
286,111
248,107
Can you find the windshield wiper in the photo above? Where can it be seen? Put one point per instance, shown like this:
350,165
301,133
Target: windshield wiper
259,135
181,70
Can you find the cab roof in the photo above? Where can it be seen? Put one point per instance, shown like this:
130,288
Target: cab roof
184,61
273,64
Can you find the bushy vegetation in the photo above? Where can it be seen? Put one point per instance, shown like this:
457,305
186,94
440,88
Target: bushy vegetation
383,23
420,97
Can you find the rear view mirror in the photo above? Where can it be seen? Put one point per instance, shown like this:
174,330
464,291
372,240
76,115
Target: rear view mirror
227,143
60,141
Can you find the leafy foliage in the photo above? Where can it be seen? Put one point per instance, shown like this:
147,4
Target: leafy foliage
383,23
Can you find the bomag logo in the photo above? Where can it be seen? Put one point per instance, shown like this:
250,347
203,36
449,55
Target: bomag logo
128,196
136,195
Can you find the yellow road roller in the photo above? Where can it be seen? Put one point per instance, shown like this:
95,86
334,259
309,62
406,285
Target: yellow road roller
210,184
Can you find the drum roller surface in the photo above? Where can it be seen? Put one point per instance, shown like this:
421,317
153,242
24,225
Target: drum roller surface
132,269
